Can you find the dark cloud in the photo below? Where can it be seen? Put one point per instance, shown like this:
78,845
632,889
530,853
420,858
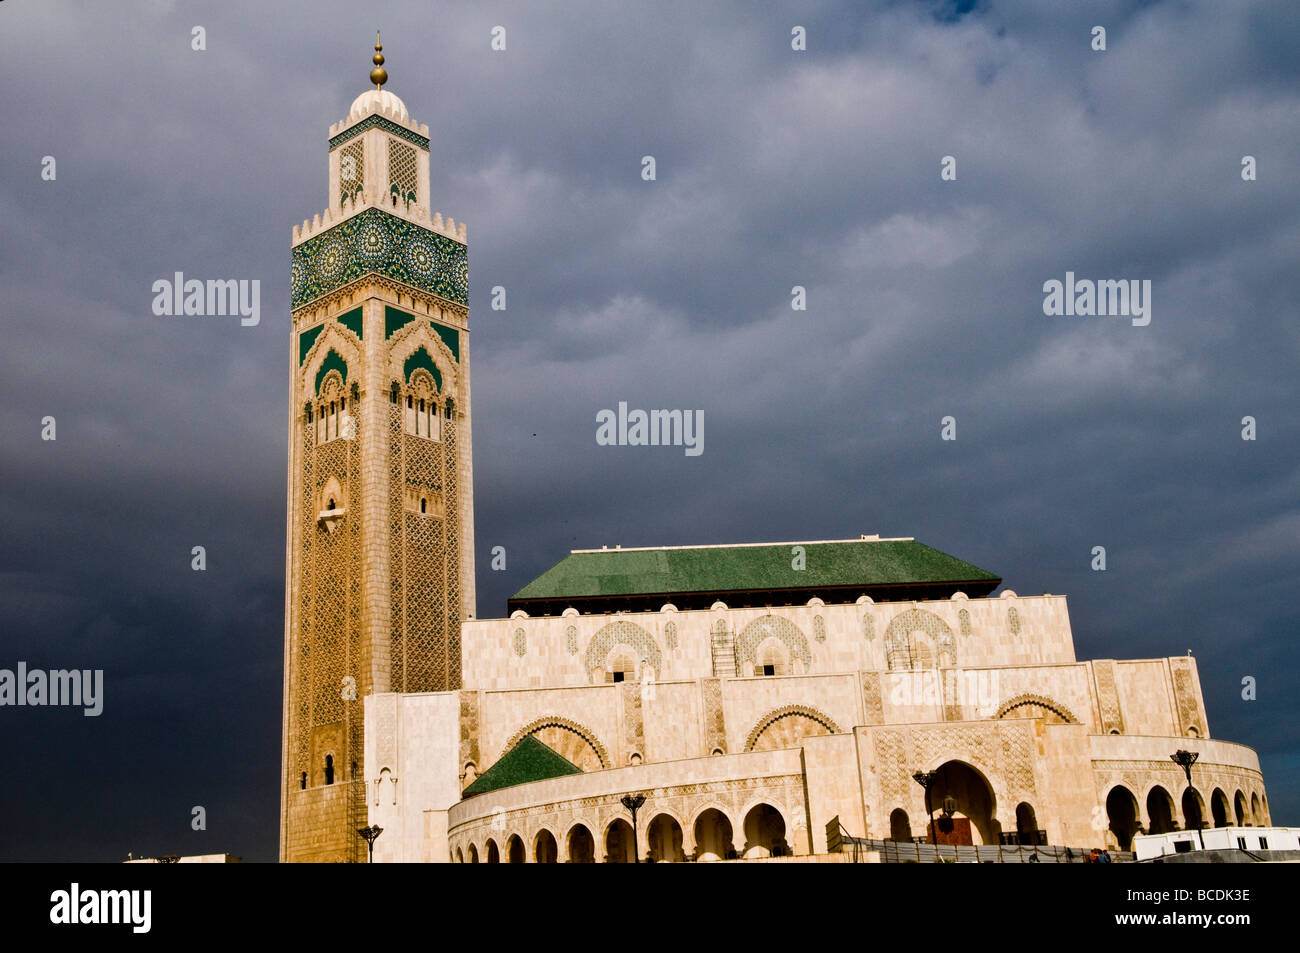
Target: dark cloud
775,169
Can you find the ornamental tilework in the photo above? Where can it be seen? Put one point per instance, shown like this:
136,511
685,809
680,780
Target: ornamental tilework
1185,695
903,651
873,708
385,124
1108,697
633,725
771,626
715,725
373,241
623,633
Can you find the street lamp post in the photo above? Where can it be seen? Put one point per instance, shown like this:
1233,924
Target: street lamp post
633,803
369,834
1185,759
926,779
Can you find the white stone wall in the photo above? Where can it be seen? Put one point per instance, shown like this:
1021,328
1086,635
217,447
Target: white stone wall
494,660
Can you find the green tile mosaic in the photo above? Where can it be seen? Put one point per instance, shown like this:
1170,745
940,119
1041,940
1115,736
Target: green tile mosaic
376,242
387,125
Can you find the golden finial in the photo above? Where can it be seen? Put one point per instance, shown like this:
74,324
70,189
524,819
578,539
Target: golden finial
378,75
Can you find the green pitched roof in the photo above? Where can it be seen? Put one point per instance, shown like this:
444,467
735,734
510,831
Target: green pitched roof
869,563
529,760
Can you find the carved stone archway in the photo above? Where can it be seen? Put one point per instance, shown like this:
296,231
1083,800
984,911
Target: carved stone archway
573,741
784,727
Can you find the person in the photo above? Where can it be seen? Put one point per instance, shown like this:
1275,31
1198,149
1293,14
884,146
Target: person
1033,858
1104,858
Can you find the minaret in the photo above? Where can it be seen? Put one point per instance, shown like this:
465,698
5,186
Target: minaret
380,540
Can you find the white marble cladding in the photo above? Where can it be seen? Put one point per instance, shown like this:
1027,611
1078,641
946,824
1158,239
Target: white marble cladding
524,652
1130,748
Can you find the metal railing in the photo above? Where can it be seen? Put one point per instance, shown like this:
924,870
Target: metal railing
839,840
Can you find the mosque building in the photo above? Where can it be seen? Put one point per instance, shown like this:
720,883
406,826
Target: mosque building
669,704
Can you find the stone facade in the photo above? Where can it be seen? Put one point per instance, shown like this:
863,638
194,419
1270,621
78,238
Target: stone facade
1010,720
747,729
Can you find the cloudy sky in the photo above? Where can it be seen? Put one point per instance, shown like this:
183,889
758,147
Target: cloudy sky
775,168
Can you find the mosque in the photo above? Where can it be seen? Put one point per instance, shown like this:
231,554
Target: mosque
689,703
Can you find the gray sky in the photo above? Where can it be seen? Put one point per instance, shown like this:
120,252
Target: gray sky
775,169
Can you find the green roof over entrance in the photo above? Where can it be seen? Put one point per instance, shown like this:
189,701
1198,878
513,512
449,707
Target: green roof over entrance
529,760
752,574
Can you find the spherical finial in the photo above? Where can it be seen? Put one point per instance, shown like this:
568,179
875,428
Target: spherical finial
378,75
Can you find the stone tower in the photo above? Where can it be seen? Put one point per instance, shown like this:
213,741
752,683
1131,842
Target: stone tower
380,541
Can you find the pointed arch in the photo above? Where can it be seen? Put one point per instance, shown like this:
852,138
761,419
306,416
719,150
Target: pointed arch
345,355
579,743
415,336
1027,705
903,651
771,626
623,633
783,727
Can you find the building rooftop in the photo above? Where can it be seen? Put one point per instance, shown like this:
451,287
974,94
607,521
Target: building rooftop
750,574
529,760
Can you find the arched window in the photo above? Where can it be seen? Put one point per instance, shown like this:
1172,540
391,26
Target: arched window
304,780
410,401
622,665
343,403
330,505
449,410
309,419
329,769
424,505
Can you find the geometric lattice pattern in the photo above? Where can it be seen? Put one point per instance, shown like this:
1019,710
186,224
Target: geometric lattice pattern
903,651
401,173
771,626
352,176
375,241
623,633
387,125
425,555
